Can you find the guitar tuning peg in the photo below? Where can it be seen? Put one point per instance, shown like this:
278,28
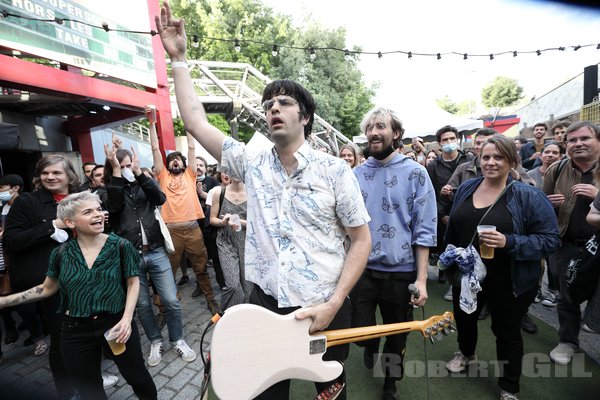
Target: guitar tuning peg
432,339
445,331
452,328
439,335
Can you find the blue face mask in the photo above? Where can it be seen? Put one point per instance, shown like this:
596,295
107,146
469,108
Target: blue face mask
450,147
5,196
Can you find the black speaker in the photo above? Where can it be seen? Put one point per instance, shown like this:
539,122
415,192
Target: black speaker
590,83
9,136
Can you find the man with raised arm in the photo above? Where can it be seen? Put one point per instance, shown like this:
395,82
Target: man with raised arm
301,205
181,211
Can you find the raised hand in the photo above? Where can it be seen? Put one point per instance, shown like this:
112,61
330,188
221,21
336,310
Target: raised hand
150,112
172,33
135,162
117,141
111,156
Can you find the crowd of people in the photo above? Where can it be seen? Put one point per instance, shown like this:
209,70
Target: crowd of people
333,238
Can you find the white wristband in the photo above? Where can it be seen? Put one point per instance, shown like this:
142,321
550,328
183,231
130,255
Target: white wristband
179,64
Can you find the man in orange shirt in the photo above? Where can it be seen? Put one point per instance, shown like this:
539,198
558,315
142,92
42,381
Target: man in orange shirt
182,210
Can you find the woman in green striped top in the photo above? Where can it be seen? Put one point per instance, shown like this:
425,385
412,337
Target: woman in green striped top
97,278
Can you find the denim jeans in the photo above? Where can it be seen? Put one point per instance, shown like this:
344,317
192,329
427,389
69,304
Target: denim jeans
156,264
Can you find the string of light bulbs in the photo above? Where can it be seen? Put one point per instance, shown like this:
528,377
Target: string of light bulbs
311,50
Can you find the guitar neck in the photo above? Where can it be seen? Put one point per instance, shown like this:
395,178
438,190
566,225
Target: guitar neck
351,335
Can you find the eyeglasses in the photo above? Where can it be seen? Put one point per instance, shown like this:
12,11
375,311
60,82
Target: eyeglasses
283,102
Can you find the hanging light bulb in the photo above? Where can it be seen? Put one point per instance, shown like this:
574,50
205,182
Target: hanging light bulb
409,55
195,40
538,52
380,56
465,56
312,55
439,56
491,56
576,47
598,47
347,55
237,46
275,50
514,53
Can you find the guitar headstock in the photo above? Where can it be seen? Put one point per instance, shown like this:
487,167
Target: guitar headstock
438,326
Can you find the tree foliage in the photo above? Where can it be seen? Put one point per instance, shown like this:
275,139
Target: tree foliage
338,85
465,107
501,92
446,103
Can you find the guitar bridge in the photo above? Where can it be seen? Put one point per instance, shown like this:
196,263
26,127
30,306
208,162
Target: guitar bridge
318,346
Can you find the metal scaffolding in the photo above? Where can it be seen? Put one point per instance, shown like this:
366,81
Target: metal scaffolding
235,90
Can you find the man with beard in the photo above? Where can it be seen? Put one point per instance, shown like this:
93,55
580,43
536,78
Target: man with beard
301,205
182,211
401,202
531,152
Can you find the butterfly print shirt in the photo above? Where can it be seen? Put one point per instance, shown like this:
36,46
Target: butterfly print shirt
400,200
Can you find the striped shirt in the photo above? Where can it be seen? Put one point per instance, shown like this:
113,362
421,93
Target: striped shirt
101,289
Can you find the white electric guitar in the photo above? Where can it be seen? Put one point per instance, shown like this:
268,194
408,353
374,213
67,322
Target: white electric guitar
253,348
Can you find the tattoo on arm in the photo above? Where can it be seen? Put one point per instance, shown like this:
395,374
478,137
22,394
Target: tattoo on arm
27,296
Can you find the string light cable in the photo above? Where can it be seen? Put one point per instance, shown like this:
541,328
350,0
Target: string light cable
311,51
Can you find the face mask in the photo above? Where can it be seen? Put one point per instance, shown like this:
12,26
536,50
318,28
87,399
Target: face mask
5,196
200,178
127,174
383,154
450,147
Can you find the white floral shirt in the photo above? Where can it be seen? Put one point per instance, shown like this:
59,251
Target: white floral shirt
295,227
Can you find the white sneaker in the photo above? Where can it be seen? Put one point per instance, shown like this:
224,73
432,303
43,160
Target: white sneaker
187,354
504,395
588,329
459,362
551,299
155,356
563,353
109,381
448,296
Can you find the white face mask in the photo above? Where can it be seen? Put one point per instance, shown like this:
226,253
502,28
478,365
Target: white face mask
5,196
127,174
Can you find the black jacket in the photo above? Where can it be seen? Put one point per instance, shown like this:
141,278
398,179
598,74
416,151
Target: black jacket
27,238
129,204
440,173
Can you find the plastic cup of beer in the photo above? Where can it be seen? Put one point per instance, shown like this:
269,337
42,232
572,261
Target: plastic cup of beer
485,251
234,219
111,337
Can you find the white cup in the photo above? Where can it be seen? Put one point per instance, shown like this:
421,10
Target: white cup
234,219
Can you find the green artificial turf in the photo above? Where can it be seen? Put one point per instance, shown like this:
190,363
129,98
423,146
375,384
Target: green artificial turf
542,379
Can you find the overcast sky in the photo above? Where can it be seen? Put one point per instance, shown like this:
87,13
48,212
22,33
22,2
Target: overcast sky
465,26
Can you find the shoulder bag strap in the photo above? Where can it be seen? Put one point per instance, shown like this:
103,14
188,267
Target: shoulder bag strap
490,208
221,198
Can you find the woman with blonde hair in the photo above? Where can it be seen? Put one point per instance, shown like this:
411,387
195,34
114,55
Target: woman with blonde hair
351,154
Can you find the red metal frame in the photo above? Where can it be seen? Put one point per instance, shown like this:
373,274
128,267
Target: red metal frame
42,79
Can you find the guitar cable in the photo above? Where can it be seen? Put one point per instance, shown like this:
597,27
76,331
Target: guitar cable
412,289
206,362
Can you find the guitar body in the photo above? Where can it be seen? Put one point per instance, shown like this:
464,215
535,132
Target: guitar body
253,348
